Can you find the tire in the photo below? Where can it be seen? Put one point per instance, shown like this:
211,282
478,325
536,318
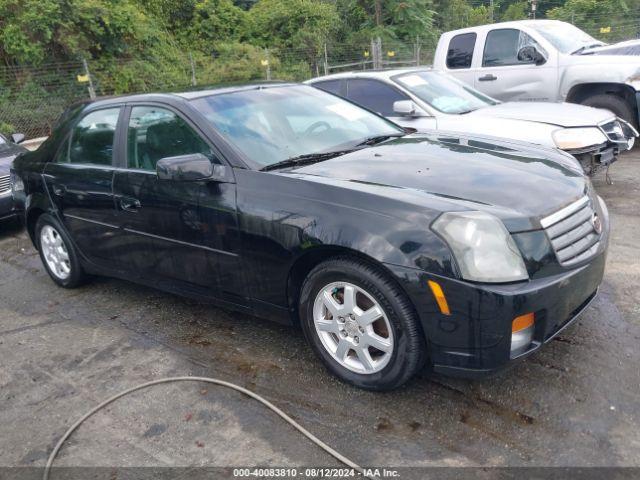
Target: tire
397,330
617,105
58,253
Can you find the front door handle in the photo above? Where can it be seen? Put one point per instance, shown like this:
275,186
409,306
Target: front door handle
59,190
130,204
488,78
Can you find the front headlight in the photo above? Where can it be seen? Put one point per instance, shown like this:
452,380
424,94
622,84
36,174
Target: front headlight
574,138
482,247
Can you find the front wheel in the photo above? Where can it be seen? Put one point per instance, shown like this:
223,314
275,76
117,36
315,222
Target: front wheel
361,325
615,104
58,254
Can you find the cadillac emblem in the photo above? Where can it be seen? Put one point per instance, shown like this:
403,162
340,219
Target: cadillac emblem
597,224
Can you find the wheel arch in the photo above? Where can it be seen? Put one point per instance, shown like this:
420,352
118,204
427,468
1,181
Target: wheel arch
580,92
308,260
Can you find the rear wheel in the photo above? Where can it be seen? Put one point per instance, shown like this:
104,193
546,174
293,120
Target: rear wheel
361,324
617,105
58,253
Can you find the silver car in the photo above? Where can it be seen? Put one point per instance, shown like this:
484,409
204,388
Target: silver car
425,99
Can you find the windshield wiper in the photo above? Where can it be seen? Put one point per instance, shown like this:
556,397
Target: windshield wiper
379,138
586,47
306,159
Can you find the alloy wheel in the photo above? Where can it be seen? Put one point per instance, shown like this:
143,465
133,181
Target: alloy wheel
353,327
55,252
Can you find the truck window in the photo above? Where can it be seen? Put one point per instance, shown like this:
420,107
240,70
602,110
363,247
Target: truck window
502,47
460,51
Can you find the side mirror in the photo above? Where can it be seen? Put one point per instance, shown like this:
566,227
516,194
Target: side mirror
530,54
406,108
17,137
188,168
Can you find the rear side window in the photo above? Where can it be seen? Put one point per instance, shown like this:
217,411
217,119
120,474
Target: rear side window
460,51
502,47
374,95
156,133
331,86
91,140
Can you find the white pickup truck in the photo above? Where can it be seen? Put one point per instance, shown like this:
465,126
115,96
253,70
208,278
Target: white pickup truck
541,60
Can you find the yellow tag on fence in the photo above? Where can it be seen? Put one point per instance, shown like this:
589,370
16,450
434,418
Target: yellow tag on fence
264,62
605,29
83,78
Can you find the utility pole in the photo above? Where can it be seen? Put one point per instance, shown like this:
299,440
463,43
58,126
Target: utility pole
326,60
92,92
491,10
534,8
193,71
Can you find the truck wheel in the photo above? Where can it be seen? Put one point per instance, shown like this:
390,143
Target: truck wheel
614,103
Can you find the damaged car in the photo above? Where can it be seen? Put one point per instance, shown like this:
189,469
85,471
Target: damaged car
425,99
392,251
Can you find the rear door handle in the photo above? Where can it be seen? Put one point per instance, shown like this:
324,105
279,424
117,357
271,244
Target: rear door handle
488,78
130,204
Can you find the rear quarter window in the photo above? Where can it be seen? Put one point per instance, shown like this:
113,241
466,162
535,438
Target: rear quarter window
460,52
331,86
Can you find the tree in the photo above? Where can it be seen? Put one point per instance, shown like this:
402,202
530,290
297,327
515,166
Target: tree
604,19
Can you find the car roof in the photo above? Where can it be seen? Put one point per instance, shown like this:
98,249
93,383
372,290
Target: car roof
382,74
189,95
513,23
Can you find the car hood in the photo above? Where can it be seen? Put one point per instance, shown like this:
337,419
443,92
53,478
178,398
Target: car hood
518,185
560,114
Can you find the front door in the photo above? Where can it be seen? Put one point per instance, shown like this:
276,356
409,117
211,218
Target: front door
79,182
504,76
174,231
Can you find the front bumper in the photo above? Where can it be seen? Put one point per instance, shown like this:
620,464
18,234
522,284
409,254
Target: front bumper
7,209
475,339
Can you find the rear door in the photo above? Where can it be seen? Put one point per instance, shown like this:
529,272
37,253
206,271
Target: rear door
80,179
174,230
502,75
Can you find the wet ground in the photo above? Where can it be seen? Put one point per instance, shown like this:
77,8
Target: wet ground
575,403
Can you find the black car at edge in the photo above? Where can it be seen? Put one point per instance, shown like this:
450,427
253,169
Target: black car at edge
391,250
9,149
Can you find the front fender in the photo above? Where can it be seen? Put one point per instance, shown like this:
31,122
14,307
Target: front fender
623,74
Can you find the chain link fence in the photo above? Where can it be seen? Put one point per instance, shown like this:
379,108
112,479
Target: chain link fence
32,98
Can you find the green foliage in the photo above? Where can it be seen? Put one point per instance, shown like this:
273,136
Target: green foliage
515,11
147,45
293,24
594,15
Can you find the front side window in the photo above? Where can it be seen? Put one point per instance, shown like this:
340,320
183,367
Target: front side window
156,133
271,124
502,46
91,140
460,51
374,95
443,92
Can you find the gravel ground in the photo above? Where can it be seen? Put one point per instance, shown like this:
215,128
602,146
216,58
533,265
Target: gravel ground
575,403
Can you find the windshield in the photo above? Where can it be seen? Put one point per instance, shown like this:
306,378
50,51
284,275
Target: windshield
443,92
272,124
565,37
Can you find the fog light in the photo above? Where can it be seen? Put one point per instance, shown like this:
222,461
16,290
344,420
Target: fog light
522,332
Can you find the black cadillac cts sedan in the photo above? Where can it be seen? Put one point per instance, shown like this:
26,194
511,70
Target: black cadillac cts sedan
391,250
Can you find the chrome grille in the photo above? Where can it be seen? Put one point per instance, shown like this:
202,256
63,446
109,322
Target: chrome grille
572,232
5,183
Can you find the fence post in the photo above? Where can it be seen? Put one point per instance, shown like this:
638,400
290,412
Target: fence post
193,71
268,66
417,50
92,92
326,60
